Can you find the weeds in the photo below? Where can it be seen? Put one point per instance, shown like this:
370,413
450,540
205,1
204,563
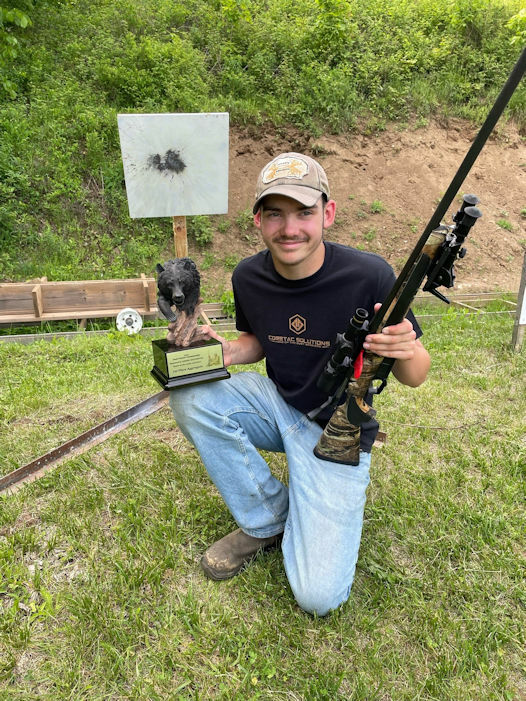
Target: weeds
505,224
200,228
244,221
228,306
377,207
230,262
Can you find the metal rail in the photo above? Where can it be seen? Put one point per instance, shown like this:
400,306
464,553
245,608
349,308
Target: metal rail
80,444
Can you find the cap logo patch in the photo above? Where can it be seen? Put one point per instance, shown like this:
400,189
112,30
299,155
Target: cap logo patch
288,167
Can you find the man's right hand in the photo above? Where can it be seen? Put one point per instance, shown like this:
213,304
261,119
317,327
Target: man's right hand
243,350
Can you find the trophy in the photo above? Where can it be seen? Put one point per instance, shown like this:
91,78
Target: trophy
177,165
185,356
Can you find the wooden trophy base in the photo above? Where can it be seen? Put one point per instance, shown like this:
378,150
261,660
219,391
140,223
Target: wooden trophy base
177,366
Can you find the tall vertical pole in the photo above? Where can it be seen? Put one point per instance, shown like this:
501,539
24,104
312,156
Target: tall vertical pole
519,327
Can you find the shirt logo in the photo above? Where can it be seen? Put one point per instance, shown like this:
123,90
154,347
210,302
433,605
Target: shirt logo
297,324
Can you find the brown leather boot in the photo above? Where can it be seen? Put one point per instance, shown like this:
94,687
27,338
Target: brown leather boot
226,557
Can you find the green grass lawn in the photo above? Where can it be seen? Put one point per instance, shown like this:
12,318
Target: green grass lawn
102,596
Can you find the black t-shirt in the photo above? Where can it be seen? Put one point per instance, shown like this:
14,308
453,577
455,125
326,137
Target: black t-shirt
296,321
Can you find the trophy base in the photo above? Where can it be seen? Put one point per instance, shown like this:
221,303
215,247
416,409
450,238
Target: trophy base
175,366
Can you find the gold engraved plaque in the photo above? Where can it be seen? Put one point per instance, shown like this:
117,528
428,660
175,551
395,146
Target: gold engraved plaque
175,366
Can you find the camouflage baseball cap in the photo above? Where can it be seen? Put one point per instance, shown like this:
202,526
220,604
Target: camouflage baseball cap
293,175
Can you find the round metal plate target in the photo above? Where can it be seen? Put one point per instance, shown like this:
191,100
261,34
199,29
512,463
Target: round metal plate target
129,320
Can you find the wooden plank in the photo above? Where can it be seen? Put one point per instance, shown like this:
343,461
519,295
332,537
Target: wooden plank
180,237
90,299
466,306
214,317
15,298
25,302
71,297
478,297
20,319
204,317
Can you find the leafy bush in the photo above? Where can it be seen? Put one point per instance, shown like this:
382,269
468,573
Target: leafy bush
10,17
200,228
228,306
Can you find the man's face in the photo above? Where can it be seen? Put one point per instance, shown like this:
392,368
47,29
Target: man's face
293,233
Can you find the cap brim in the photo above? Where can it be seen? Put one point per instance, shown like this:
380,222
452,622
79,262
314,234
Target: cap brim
307,196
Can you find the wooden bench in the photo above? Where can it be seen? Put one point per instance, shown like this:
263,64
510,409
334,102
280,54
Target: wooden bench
23,302
36,302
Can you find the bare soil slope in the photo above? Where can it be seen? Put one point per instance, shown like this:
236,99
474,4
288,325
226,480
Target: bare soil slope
386,187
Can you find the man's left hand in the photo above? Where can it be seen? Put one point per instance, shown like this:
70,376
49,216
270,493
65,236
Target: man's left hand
398,341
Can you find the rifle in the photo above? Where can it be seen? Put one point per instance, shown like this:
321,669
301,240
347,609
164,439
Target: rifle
351,370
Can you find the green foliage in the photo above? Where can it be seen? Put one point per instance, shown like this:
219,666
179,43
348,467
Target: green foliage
245,220
10,18
317,64
200,228
517,26
230,261
377,207
505,224
227,303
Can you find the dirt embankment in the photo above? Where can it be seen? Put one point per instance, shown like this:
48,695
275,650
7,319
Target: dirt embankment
386,187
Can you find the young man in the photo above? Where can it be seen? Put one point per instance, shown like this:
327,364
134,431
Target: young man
291,301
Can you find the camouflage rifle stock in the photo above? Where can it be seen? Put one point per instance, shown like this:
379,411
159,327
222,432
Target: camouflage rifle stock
351,370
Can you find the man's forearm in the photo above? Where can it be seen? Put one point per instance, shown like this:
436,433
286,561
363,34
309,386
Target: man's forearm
413,372
244,350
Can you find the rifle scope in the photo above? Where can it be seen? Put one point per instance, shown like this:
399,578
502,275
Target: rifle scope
442,272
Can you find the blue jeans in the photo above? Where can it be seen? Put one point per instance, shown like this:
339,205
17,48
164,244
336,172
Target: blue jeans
321,511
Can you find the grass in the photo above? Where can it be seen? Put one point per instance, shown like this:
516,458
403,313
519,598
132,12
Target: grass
505,224
102,597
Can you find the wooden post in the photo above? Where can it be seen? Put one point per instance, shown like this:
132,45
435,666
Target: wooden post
180,237
38,307
520,318
146,291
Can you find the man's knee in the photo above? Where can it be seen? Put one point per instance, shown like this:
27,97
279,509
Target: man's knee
319,599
